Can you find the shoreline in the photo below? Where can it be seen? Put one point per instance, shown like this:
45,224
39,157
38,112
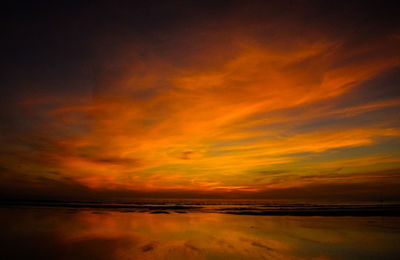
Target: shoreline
256,210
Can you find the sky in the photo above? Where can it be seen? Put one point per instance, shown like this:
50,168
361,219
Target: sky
200,99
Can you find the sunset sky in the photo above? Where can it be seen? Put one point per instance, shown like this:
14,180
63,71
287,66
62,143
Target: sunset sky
180,99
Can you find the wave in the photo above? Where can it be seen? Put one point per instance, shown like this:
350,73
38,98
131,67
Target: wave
237,207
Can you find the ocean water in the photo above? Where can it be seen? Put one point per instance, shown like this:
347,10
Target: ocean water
198,229
227,206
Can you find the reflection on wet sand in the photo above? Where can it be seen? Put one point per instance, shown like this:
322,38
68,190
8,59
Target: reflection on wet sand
48,233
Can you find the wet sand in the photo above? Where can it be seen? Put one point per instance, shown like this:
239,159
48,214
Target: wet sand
235,207
44,232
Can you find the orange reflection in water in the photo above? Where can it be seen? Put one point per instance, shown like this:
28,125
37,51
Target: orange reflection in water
63,234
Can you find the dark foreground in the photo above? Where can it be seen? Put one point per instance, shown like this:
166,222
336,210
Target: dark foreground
144,231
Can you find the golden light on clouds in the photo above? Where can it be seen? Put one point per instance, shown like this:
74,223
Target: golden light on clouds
270,110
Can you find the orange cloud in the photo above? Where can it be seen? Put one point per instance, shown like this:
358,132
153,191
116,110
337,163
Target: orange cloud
155,125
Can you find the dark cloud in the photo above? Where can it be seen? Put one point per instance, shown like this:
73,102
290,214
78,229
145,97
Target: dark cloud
149,247
272,172
62,62
187,155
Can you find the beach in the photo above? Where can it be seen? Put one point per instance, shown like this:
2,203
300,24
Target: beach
45,232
